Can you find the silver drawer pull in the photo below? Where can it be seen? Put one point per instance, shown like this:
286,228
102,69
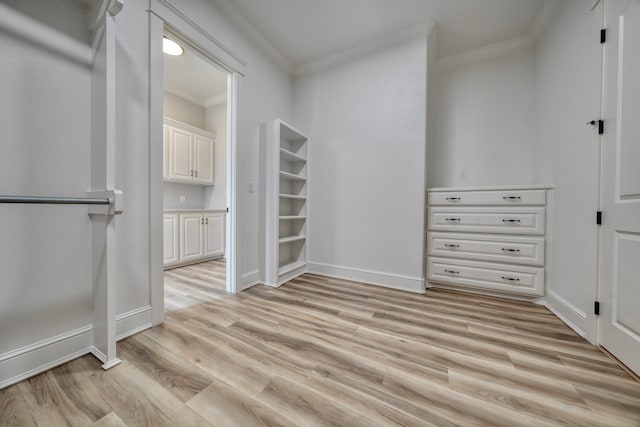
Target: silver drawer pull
512,198
452,219
510,279
451,271
449,245
511,221
453,199
510,250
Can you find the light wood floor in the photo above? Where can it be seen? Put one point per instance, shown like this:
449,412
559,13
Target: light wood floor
320,351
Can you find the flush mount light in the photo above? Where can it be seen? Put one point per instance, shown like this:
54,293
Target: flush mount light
171,48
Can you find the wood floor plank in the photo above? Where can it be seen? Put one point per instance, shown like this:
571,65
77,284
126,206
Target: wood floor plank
323,351
224,406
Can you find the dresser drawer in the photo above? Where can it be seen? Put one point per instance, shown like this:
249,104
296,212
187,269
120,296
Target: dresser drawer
483,247
494,198
491,276
515,220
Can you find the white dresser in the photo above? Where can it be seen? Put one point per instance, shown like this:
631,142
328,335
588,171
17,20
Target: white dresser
488,239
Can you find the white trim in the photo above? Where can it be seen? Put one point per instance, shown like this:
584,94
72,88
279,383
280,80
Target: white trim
570,314
156,73
183,25
25,362
419,30
498,188
214,100
250,279
486,52
132,322
37,33
266,46
233,232
182,94
378,278
547,11
486,292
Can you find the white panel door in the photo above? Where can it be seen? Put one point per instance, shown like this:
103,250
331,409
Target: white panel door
619,323
170,239
191,236
203,159
181,166
214,234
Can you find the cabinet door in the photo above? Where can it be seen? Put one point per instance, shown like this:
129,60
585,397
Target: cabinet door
191,241
181,166
170,239
214,234
203,148
165,152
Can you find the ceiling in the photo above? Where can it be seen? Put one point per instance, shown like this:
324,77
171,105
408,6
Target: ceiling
194,78
300,33
304,31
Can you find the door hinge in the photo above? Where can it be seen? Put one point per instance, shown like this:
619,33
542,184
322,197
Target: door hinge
599,218
596,308
599,123
603,35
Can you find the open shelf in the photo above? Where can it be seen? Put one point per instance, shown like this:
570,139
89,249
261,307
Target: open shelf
289,156
286,151
290,267
292,196
290,176
291,239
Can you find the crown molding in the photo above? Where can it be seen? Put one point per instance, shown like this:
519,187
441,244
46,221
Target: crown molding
422,29
232,12
546,13
486,52
181,94
218,99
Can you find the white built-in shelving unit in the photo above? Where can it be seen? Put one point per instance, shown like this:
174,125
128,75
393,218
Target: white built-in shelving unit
286,151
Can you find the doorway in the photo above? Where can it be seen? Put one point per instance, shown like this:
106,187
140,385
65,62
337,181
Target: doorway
166,20
194,101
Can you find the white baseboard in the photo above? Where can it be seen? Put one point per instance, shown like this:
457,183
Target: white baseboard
132,322
575,318
25,362
377,278
249,279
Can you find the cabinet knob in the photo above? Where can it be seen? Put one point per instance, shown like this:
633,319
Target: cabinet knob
449,245
451,271
453,199
511,221
452,219
196,172
512,198
191,172
510,279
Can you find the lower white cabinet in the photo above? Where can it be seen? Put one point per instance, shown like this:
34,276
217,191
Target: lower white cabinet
170,239
193,236
488,239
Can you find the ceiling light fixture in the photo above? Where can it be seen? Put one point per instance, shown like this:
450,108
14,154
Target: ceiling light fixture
171,48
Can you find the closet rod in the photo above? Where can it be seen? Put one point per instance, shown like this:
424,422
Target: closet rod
55,200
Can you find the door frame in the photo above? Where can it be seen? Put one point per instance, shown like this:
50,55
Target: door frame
163,15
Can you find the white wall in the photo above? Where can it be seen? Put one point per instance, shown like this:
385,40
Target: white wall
566,153
483,122
183,111
216,121
45,264
366,123
194,196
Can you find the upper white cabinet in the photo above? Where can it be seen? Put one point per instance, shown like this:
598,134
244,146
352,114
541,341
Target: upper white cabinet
286,152
188,153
